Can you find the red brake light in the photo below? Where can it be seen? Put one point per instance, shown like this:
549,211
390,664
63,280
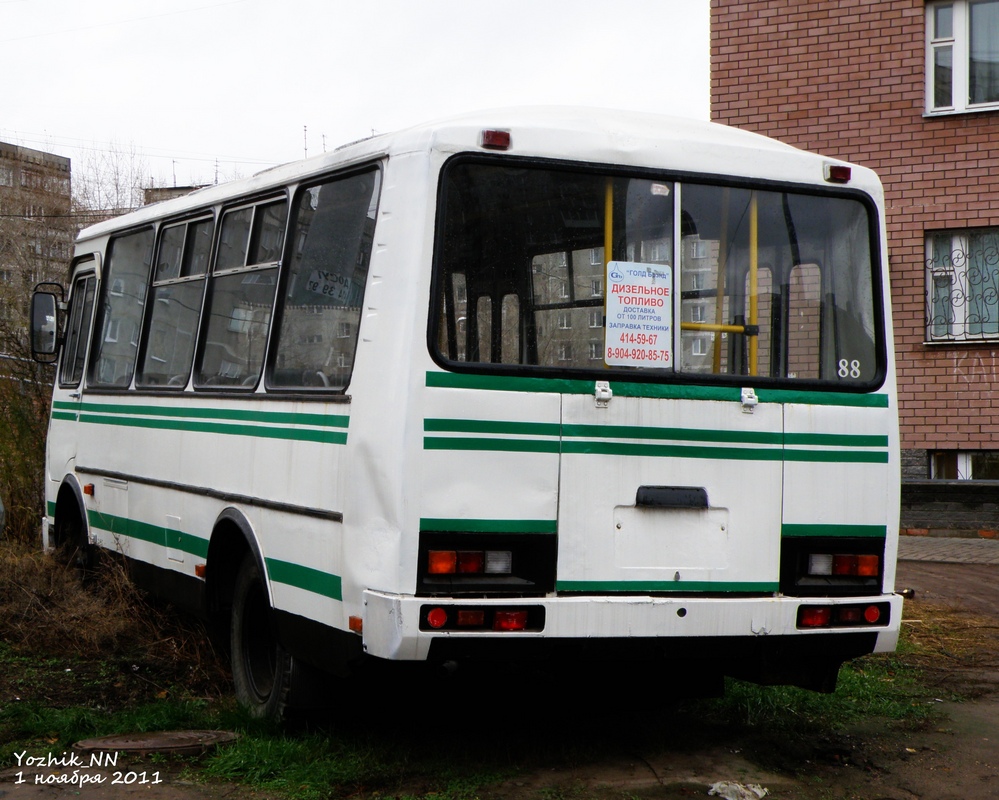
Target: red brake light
471,561
442,562
849,615
437,618
844,565
868,566
510,621
471,618
814,616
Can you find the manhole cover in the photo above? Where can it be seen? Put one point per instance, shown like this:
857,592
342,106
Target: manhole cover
180,742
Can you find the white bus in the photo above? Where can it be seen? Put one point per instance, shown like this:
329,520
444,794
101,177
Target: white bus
549,384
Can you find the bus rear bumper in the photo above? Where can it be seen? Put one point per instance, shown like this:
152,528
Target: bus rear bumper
394,626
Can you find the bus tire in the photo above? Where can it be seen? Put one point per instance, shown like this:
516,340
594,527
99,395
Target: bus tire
261,667
70,538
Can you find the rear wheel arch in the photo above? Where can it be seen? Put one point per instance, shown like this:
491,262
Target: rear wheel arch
70,536
232,538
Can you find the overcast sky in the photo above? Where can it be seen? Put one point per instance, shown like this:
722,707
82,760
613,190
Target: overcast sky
233,86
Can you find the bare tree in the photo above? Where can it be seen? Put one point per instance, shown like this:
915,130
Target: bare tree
110,181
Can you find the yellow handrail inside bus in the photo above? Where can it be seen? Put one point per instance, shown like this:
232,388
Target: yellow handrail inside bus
608,225
712,326
720,283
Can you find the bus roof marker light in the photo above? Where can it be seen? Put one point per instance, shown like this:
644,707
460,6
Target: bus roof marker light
837,173
495,140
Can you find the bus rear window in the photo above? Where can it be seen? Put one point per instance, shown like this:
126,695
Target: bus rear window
555,270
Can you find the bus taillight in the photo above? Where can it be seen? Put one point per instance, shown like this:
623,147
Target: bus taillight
849,564
469,562
833,616
481,618
510,621
831,566
437,618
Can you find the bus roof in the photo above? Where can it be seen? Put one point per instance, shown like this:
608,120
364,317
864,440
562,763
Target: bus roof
604,136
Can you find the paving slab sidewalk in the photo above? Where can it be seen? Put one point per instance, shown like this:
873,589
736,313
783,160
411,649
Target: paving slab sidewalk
947,550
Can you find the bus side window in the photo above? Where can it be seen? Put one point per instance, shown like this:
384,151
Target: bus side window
81,312
320,311
123,297
241,297
178,287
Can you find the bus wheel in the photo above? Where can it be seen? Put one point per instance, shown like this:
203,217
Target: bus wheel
261,669
71,545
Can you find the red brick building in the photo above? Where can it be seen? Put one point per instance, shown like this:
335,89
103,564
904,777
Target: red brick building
911,89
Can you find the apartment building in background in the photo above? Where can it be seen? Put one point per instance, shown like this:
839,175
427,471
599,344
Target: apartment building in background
36,229
909,88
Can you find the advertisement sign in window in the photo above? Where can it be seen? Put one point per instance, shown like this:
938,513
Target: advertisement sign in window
639,315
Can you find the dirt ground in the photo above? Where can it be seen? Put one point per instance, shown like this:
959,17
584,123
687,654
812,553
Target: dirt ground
955,756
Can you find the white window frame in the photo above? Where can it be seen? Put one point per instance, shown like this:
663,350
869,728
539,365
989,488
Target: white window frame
959,44
240,319
953,271
698,248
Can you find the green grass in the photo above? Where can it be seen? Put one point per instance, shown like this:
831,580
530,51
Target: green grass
883,685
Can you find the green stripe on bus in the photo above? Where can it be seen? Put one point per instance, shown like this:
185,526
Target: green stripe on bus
638,449
667,586
678,434
837,456
491,426
229,414
835,439
742,437
63,415
492,445
257,431
575,446
306,578
834,531
506,383
823,398
503,383
143,531
489,525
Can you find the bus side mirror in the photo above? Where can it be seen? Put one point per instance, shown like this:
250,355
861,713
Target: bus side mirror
44,327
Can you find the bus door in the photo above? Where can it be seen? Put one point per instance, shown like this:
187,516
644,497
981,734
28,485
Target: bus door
664,493
672,469
68,392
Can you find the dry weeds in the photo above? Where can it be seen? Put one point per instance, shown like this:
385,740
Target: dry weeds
956,651
47,610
